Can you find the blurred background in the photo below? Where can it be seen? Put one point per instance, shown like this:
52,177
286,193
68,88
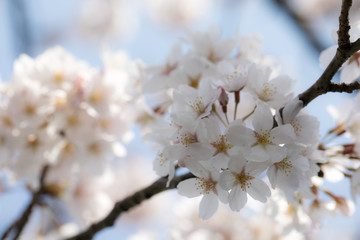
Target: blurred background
293,33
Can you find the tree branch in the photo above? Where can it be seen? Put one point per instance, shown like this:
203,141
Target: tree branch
130,202
344,25
19,224
343,53
343,87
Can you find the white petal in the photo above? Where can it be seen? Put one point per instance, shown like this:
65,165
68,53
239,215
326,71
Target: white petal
240,135
237,198
119,150
275,152
350,72
220,161
327,55
291,109
237,163
272,175
161,166
190,187
258,154
222,194
263,119
301,163
259,190
208,206
197,168
227,180
201,152
175,152
283,134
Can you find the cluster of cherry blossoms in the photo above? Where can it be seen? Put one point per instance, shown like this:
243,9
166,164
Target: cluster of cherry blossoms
59,113
233,120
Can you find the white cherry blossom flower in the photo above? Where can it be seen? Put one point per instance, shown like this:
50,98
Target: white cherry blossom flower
306,127
289,173
274,91
211,135
206,183
232,78
209,45
168,75
263,142
241,180
192,104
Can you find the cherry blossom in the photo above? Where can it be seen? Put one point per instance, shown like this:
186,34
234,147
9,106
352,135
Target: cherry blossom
241,180
206,183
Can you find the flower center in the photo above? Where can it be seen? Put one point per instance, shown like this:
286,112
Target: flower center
194,81
243,180
296,125
263,137
221,145
269,90
285,165
162,159
187,138
207,185
198,106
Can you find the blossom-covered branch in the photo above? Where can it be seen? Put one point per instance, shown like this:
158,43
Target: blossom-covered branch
19,224
130,202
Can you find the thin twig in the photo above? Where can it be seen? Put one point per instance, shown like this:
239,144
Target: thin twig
130,202
343,87
19,224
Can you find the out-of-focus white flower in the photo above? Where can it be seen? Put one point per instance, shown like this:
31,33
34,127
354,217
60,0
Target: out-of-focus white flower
209,46
178,12
250,47
107,19
168,75
355,184
53,101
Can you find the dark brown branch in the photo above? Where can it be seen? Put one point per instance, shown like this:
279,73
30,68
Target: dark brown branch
19,224
343,87
321,86
302,24
343,53
130,202
344,25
